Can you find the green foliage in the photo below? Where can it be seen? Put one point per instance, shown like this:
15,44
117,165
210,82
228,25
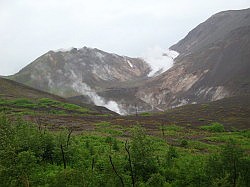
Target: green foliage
30,156
145,114
103,124
142,152
213,127
230,167
46,102
156,179
191,171
172,128
171,157
23,103
246,133
27,106
184,143
202,119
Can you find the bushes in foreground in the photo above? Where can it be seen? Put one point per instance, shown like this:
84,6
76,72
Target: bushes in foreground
35,157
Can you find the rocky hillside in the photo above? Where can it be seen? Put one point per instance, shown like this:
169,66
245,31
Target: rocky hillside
77,71
82,71
214,63
215,28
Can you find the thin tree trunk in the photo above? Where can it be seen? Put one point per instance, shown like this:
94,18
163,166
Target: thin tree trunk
93,164
25,180
112,164
136,110
63,157
235,174
70,131
163,131
130,163
38,121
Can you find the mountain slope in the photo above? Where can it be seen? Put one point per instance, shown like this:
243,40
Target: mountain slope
214,63
11,92
82,71
212,30
77,71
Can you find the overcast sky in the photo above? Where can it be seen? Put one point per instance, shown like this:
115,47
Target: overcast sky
30,28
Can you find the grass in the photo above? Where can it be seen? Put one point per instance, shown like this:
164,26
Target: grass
46,102
26,106
202,119
213,127
172,128
239,137
108,129
145,114
103,124
201,146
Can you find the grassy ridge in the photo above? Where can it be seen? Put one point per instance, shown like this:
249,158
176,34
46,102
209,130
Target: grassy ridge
43,105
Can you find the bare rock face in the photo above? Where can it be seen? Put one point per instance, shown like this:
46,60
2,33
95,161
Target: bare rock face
82,71
212,30
68,73
214,63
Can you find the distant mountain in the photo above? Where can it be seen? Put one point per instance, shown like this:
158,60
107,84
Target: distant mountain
214,63
77,71
82,71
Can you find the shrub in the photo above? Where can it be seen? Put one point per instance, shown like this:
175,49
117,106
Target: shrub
103,124
172,128
46,102
146,114
156,180
184,143
201,119
213,127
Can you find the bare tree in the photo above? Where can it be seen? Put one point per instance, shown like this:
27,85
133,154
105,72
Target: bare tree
93,164
38,121
63,157
136,109
127,148
69,134
163,130
112,164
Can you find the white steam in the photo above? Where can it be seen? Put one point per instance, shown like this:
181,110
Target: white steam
63,50
159,59
99,101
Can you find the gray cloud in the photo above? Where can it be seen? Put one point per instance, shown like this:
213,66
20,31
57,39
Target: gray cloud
30,28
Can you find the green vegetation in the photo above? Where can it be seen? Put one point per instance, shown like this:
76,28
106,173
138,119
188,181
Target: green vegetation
201,119
33,156
45,102
214,127
145,114
103,124
27,106
172,128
